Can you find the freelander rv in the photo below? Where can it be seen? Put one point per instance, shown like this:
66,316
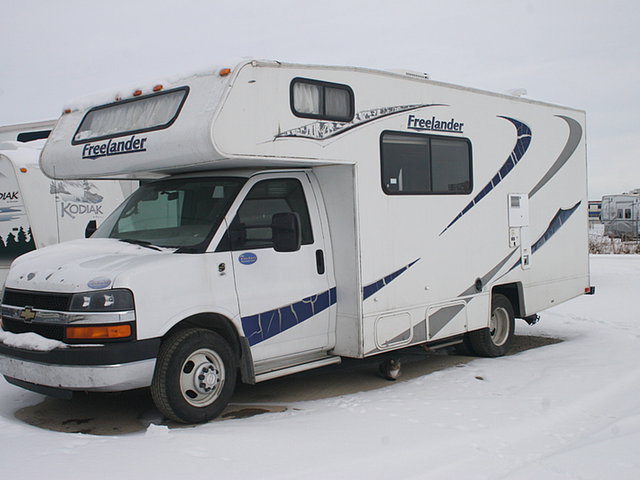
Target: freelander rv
299,214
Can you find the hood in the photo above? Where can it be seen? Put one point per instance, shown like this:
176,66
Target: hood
79,265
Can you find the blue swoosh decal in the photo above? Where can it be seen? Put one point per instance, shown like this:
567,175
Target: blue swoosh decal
372,288
555,224
522,144
262,326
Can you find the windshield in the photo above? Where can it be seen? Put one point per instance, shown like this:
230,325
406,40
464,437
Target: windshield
177,213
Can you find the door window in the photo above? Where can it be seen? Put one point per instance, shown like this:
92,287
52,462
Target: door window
252,226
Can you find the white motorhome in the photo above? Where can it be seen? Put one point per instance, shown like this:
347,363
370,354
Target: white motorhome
36,211
621,215
301,214
26,132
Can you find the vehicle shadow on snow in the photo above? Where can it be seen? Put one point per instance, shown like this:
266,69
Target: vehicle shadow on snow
133,411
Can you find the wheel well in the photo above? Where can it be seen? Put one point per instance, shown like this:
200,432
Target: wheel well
513,292
216,323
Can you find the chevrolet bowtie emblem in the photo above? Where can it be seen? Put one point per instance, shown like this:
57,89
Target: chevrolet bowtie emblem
27,314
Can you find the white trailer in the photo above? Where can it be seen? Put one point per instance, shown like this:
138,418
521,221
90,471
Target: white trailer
303,214
36,211
621,215
26,132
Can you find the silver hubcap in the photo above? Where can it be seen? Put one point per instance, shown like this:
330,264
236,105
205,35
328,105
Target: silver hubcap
499,326
202,377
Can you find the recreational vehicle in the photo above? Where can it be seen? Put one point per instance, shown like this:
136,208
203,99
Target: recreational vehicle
298,215
26,132
621,215
36,211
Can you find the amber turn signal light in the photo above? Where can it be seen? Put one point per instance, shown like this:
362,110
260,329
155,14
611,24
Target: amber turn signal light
97,333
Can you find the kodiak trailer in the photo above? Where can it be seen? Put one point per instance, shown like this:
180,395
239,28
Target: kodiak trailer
26,132
36,211
298,214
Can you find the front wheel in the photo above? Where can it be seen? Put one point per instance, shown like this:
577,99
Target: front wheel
195,376
494,340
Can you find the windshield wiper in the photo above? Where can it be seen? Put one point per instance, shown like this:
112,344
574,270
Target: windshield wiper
142,243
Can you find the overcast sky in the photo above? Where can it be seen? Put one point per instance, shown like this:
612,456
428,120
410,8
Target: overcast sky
584,54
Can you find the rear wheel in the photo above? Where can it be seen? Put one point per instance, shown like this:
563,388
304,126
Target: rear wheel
494,341
195,376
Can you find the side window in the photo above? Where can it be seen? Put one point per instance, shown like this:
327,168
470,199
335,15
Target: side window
415,164
321,100
252,226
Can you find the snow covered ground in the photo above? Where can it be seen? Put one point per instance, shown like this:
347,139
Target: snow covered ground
565,411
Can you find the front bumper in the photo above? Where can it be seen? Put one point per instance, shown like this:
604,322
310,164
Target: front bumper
107,368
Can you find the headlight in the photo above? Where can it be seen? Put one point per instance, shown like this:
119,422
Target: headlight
102,301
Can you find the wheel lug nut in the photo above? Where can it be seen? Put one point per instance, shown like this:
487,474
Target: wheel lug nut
200,377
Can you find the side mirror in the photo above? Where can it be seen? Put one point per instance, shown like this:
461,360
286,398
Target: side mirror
92,226
286,232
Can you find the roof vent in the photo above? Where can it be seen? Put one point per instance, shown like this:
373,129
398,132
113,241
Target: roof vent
517,92
411,73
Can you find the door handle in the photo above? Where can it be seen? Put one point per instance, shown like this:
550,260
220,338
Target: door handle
320,262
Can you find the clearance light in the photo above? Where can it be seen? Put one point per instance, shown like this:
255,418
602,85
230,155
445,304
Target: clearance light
67,110
224,72
157,88
97,333
137,93
23,170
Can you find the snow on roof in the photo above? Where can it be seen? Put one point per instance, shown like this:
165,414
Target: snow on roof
112,95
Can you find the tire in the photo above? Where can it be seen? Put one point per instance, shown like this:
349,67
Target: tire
494,341
465,347
195,376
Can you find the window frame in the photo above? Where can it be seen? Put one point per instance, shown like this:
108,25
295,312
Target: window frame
82,141
324,85
428,137
227,245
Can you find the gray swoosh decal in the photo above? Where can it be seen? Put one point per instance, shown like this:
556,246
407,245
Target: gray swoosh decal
575,135
488,276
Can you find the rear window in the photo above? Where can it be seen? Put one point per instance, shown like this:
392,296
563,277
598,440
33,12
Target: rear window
142,114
